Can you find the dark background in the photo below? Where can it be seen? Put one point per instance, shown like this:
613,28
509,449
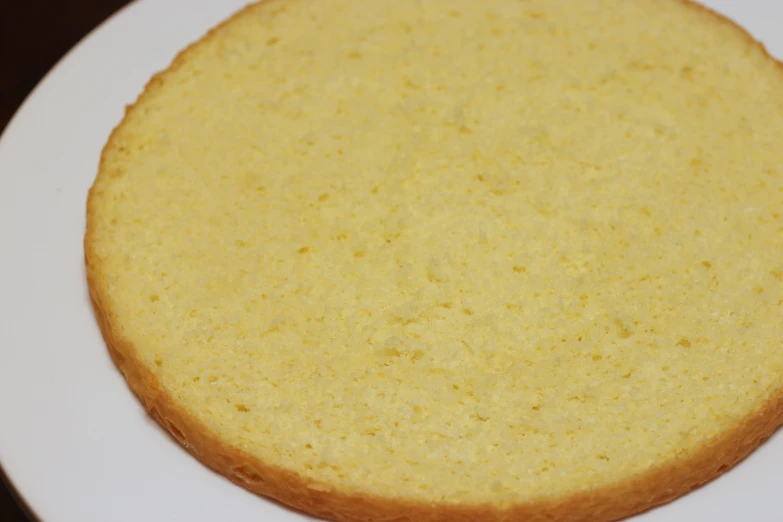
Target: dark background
34,35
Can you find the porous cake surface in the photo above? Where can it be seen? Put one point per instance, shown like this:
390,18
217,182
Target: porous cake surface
453,259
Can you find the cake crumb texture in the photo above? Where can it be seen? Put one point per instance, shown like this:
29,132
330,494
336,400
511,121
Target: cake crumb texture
453,260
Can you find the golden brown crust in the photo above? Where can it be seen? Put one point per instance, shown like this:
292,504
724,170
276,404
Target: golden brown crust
604,504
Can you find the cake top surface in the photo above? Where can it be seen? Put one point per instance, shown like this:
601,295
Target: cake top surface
459,251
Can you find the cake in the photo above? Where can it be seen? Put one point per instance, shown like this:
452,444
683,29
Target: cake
439,260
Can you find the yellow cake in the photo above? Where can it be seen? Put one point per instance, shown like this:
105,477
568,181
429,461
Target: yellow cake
449,260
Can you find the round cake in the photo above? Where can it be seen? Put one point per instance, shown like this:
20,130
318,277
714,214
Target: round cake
448,260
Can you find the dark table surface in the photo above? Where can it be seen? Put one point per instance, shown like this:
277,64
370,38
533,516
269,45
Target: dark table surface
33,37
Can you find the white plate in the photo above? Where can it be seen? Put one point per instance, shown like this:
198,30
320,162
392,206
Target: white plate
73,439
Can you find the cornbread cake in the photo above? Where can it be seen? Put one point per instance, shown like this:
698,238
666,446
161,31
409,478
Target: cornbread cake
453,260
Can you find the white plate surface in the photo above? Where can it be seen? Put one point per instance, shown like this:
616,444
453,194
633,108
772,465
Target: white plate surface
74,441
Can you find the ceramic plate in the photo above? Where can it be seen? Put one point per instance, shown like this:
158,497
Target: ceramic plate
74,440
